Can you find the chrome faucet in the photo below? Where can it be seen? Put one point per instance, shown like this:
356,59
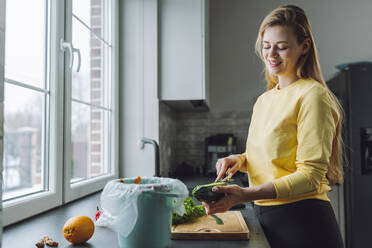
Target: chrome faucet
156,151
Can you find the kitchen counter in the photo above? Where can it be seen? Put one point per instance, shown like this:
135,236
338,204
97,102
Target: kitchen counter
28,232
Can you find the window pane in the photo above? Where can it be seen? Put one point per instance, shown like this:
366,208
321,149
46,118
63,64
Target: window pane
81,81
83,9
23,141
91,84
90,141
91,91
25,41
94,14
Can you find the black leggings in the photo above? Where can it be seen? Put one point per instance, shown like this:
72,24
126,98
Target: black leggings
307,223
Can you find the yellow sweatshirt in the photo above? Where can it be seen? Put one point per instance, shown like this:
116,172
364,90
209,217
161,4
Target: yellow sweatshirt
290,141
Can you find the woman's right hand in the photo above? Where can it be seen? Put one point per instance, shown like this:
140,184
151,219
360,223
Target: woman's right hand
230,164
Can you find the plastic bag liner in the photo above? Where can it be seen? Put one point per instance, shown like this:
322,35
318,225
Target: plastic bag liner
119,200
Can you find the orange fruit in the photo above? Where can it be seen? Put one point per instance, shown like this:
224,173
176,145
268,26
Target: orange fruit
78,229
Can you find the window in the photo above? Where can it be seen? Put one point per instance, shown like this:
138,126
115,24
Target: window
60,103
26,99
89,102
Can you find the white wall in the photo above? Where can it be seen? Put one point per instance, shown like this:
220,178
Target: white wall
342,30
139,107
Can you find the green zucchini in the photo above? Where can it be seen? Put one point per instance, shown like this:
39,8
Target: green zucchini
205,193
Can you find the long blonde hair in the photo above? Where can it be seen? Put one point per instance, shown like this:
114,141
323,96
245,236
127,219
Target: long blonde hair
307,67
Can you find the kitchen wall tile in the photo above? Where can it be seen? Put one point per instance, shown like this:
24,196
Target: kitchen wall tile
167,139
185,132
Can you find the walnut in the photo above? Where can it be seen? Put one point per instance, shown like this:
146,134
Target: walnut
40,243
50,242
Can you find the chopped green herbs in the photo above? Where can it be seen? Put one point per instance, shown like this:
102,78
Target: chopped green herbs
192,211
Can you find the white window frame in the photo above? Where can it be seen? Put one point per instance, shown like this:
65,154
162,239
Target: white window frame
24,207
60,191
88,186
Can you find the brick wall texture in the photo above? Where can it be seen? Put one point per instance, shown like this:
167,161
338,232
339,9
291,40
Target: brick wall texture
96,155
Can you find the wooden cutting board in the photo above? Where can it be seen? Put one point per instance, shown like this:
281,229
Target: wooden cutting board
205,227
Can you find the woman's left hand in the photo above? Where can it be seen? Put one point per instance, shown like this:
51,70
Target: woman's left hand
233,195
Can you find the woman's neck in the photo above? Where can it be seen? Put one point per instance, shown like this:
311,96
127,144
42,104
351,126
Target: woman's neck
285,81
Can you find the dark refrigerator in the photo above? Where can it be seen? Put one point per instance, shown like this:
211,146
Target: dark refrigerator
353,87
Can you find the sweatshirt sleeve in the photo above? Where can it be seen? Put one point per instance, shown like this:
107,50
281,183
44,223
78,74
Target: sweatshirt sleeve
316,127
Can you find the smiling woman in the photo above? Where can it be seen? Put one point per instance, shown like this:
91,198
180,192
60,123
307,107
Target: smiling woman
293,146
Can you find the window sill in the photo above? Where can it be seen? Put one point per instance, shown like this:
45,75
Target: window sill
50,223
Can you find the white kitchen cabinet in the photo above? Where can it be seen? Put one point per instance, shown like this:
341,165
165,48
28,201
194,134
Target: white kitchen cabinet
183,51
